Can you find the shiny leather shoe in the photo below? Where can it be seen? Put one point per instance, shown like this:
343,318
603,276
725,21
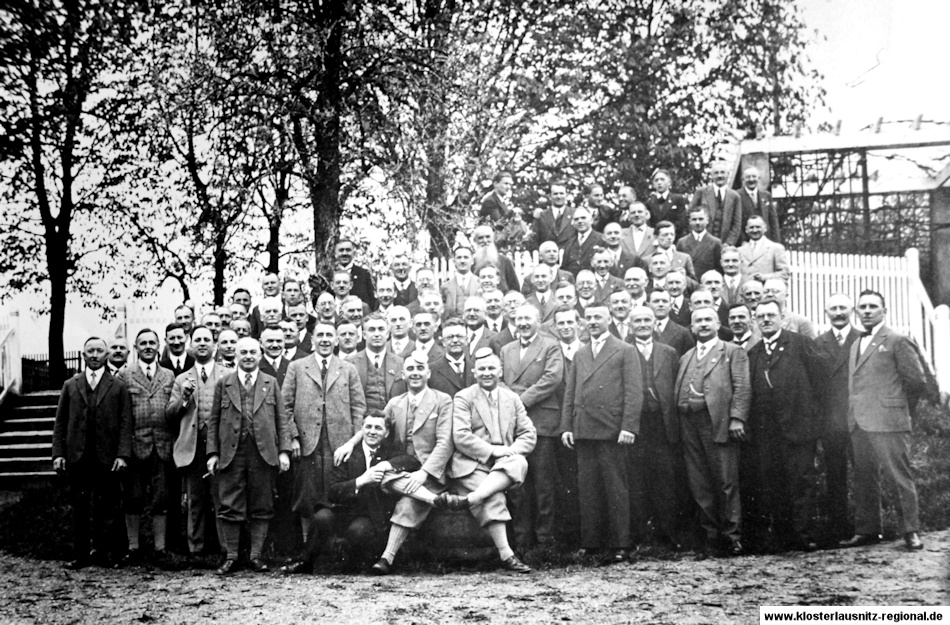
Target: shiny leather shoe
912,541
448,501
515,565
259,566
296,568
382,567
227,567
860,540
615,557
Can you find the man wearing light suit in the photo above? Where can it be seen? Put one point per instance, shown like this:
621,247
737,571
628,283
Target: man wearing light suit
325,401
492,435
248,442
886,375
713,395
190,407
638,239
541,278
380,371
724,205
460,286
758,203
600,417
760,258
533,367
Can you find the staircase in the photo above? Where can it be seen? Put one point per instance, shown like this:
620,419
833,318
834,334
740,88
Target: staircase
26,439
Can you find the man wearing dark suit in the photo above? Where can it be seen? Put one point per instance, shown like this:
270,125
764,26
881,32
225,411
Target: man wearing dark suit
600,417
566,329
270,285
605,282
835,345
325,401
678,261
453,370
176,359
151,468
406,292
542,297
619,306
732,279
758,202
620,259
638,239
361,279
92,443
668,331
555,223
785,370
495,206
579,250
400,322
273,363
248,442
676,286
549,254
655,483
713,395
533,367
886,376
702,247
665,205
380,371
473,315
745,332
487,254
425,325
723,204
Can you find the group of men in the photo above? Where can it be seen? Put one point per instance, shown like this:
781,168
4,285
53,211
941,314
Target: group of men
630,391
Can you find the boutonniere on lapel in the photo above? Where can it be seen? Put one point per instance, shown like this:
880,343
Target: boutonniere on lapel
781,349
882,348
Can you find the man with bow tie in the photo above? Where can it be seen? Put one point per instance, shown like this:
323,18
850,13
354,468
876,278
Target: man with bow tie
151,468
249,436
325,401
533,367
785,370
665,205
886,376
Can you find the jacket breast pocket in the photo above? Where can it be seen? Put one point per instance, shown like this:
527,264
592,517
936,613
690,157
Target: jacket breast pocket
225,402
270,400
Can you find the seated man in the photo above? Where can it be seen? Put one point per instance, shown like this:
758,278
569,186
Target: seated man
492,435
361,514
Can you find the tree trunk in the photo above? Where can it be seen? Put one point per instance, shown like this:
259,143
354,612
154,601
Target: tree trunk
56,259
220,265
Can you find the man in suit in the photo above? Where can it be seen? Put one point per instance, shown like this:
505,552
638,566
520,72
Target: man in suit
555,223
605,282
620,306
92,444
600,417
665,205
461,285
567,331
703,298
713,396
758,203
667,331
496,204
620,259
273,363
176,359
635,282
652,459
385,294
549,254
151,468
723,204
348,339
745,331
495,310
453,370
533,367
679,261
732,279
777,289
190,408
270,285
886,376
702,247
226,350
785,370
400,322
292,347
406,292
752,293
542,298
425,326
760,258
638,239
486,253
579,250
492,435
248,442
291,293
119,354
602,210
380,371
422,438
712,282
835,345
473,314
271,313
361,279
325,401
679,299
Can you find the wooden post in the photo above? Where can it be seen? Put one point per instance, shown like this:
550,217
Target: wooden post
941,351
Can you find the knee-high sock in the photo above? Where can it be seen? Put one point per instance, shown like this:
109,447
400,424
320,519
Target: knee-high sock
232,538
397,536
159,522
305,522
258,534
132,525
499,536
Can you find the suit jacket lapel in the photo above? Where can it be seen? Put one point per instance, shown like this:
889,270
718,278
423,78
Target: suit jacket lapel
233,391
313,370
530,354
481,406
333,371
713,357
610,346
84,387
875,343
260,390
102,388
423,410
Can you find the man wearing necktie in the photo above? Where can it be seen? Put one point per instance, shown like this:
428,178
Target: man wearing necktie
665,205
492,435
176,357
746,332
533,367
758,202
248,443
761,258
638,239
380,371
151,468
732,279
452,372
703,247
886,376
600,417
326,404
725,207
835,346
619,306
92,442
785,370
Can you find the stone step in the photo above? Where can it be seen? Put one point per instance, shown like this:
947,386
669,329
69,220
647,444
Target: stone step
26,437
40,398
26,465
24,424
23,450
27,480
32,412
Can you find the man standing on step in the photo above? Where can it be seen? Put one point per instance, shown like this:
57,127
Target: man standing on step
151,469
92,443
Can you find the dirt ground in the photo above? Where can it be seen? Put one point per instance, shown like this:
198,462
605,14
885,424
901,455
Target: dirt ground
685,591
